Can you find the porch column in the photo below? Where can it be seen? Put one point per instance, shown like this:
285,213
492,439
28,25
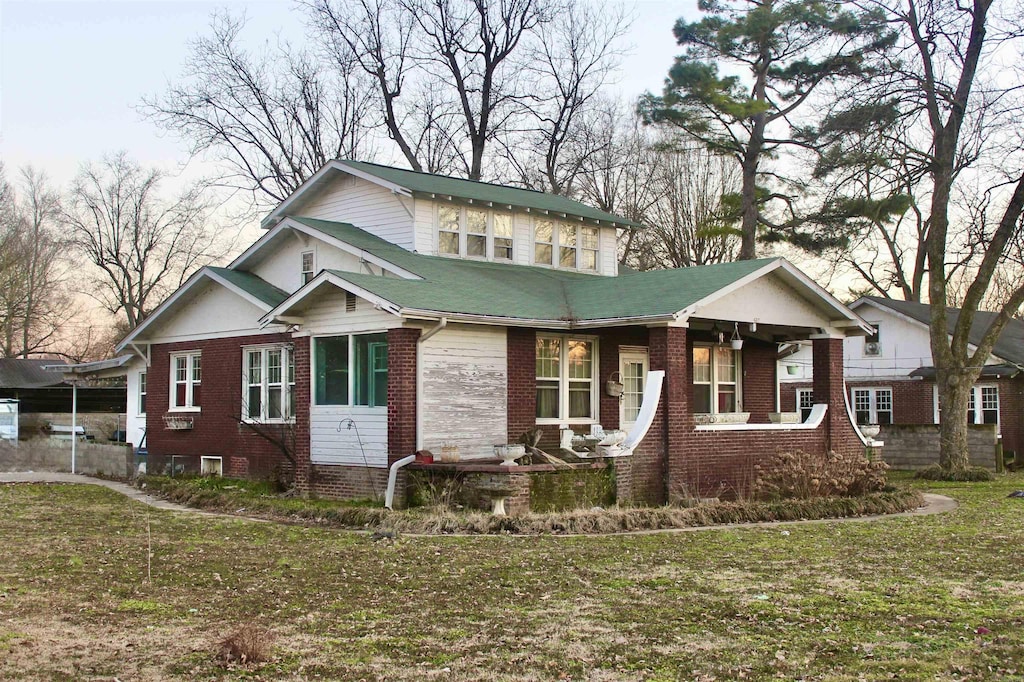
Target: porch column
303,387
401,392
521,347
828,384
668,351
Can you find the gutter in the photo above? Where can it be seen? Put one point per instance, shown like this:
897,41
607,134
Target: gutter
421,314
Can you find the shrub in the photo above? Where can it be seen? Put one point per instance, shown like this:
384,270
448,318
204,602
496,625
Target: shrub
971,474
801,475
248,644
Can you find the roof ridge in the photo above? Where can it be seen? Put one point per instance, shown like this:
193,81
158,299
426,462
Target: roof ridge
449,177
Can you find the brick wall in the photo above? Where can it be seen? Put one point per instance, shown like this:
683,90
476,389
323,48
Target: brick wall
352,483
758,367
216,430
1011,414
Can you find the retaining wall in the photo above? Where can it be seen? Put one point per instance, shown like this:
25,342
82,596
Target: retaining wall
46,455
917,446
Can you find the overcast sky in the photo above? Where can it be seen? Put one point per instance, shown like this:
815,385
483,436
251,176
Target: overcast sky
73,72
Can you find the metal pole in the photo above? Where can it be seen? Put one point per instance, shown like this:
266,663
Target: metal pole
74,422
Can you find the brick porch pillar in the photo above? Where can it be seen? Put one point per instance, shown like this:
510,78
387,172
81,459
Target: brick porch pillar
303,386
521,346
828,385
401,392
668,351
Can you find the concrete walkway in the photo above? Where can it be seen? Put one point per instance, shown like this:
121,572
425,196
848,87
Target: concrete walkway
934,504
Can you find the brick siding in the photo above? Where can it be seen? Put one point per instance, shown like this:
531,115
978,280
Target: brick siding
521,346
216,429
401,392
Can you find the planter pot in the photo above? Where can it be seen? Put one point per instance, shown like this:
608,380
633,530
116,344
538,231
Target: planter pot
510,453
792,370
450,453
736,344
870,430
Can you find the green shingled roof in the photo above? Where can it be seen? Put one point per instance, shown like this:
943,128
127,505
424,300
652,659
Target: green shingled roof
253,285
469,287
428,183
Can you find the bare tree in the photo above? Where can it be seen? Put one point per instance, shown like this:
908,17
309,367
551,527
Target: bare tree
34,299
144,245
937,82
271,117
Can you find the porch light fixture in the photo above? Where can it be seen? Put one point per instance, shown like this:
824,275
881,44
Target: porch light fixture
736,341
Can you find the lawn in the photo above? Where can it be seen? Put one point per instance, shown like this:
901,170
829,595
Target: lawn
934,597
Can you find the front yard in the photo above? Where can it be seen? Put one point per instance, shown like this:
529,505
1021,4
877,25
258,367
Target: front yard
904,598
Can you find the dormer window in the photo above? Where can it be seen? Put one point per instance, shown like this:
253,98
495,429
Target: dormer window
575,245
307,267
474,232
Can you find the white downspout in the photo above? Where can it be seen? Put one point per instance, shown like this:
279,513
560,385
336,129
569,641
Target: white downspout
389,496
74,422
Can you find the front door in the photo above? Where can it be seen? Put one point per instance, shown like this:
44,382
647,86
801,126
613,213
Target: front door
633,366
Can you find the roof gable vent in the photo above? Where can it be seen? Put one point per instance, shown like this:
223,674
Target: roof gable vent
350,302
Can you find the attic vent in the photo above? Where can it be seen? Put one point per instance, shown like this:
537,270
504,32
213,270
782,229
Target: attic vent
350,302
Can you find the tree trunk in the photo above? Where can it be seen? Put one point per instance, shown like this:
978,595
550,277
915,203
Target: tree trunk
954,395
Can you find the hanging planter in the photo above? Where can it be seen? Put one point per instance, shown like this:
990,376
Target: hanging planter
613,386
792,370
736,341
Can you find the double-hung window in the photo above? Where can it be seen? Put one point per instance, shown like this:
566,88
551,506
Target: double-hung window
351,370
716,385
566,381
186,380
142,393
983,405
307,266
268,384
804,402
873,405
474,232
566,245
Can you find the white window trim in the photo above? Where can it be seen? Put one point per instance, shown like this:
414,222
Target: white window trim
873,402
563,380
351,374
632,355
979,415
141,393
464,234
288,359
189,382
556,245
738,354
219,461
800,392
312,264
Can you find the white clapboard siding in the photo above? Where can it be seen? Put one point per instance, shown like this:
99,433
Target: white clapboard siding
426,226
366,205
465,395
332,442
283,266
213,311
328,315
609,256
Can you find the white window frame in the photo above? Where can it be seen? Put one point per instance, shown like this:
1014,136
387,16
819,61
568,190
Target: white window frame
306,275
557,246
801,393
190,382
715,382
464,234
140,404
287,383
873,392
977,394
876,339
642,356
352,371
564,380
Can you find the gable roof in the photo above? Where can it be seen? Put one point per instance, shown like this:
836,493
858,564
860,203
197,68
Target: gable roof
257,291
1009,346
29,373
453,286
444,186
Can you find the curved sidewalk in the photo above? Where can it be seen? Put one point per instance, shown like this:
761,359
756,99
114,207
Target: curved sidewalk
934,504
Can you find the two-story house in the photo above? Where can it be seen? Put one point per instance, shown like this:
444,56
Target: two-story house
386,311
891,376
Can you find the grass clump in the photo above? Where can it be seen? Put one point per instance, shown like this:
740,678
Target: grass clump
971,474
248,644
800,475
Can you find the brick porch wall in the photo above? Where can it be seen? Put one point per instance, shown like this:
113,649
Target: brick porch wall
521,346
216,430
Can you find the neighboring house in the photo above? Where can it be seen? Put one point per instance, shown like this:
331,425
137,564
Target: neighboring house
891,377
386,311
